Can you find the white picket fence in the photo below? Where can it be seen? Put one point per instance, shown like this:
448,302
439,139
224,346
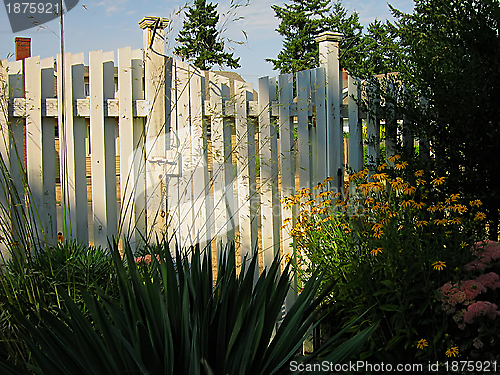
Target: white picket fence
163,109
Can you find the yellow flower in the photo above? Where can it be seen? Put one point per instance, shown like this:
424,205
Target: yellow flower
380,176
422,344
455,197
405,204
288,257
463,244
456,220
369,201
476,203
319,186
419,205
480,216
419,173
438,181
310,202
401,165
323,194
421,223
440,222
439,265
393,158
382,167
408,190
376,251
378,234
328,179
421,182
452,351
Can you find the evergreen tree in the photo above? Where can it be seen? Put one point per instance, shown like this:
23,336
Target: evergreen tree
199,40
302,21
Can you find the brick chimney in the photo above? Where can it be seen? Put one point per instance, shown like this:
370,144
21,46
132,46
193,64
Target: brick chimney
23,48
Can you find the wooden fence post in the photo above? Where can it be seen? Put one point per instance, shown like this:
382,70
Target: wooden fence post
156,74
329,59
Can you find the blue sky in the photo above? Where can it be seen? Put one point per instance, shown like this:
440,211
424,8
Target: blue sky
111,24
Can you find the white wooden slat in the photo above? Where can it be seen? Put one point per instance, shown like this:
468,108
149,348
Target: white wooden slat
230,192
131,185
313,136
243,149
201,184
139,158
71,148
16,146
274,172
80,153
97,155
48,216
303,86
373,126
157,77
218,156
110,146
390,125
34,168
287,169
185,179
126,134
266,172
355,125
321,132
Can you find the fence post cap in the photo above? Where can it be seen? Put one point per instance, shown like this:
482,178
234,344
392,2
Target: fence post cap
329,36
150,22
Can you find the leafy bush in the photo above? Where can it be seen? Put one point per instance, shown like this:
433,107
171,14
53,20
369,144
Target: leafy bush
391,244
172,319
36,279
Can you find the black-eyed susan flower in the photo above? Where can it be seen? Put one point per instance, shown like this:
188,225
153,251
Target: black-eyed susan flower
438,181
376,251
476,203
463,244
440,222
419,205
328,179
421,223
406,204
409,190
393,158
480,216
378,234
452,352
439,265
380,176
422,344
401,166
382,167
455,220
419,173
421,181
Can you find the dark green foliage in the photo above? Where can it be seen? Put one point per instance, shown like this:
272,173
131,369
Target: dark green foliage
199,40
451,50
172,319
301,22
34,281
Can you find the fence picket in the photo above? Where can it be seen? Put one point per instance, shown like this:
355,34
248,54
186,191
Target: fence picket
355,125
201,183
34,167
321,131
303,93
266,141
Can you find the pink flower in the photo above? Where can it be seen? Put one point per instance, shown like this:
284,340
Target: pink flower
480,308
489,280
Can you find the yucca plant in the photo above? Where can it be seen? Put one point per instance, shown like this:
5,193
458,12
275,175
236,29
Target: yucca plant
172,319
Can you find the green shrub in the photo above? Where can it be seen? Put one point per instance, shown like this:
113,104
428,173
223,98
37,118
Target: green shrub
391,244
